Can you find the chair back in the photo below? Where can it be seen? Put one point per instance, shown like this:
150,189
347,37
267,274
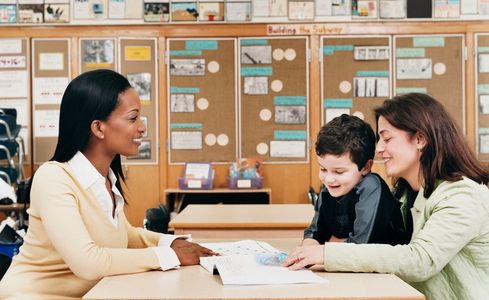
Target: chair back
8,174
157,219
9,129
9,111
8,149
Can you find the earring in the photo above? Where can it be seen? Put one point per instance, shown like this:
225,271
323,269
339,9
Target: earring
101,136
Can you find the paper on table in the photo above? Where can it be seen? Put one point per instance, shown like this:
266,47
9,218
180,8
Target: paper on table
240,248
245,270
240,263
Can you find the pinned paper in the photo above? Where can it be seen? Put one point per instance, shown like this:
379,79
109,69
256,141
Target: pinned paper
265,114
213,67
201,45
137,53
278,54
222,139
262,148
210,139
202,104
51,61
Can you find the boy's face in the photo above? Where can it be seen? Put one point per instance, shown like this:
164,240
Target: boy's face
339,174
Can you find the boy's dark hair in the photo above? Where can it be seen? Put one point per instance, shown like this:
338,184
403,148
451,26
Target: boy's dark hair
347,134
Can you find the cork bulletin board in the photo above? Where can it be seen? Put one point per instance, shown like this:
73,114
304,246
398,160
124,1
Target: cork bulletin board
482,95
432,64
97,53
274,99
50,77
138,61
202,122
355,75
15,86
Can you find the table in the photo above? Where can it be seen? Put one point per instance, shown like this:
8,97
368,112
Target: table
178,195
193,282
244,221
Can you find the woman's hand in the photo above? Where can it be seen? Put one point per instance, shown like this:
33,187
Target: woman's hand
303,256
188,253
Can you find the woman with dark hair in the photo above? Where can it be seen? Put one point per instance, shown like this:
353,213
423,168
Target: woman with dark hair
78,232
445,199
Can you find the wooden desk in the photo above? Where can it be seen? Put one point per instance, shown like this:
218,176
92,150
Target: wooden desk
178,195
195,283
244,221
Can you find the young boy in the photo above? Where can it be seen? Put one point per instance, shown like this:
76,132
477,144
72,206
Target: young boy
355,205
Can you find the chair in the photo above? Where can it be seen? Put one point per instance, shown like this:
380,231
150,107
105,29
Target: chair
11,144
9,129
5,261
157,219
312,195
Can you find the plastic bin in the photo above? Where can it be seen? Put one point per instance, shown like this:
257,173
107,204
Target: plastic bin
245,183
10,249
195,183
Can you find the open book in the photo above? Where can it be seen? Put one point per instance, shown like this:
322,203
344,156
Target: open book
250,262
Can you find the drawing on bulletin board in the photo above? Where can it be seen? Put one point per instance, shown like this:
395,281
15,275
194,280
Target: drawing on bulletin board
430,63
202,122
274,99
355,75
97,53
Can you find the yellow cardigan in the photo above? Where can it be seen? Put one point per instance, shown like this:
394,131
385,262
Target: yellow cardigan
70,244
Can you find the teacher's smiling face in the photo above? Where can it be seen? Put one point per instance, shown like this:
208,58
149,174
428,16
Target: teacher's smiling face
399,150
123,128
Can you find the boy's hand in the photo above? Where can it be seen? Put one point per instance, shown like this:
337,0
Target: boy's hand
309,242
303,256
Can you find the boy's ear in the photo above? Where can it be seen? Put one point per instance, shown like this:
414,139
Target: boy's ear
367,168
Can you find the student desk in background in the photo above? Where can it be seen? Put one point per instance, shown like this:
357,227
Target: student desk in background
244,221
193,282
221,195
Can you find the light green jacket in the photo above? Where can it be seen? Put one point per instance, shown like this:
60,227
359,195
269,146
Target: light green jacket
448,256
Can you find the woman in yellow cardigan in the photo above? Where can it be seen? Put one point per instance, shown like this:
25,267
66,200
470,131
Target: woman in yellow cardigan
78,232
445,199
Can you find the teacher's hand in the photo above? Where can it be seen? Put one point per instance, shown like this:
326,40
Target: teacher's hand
303,256
188,253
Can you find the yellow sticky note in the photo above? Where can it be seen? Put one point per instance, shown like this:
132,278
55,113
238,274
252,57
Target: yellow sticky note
137,53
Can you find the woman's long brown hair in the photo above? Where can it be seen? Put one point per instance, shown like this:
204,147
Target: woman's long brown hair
446,155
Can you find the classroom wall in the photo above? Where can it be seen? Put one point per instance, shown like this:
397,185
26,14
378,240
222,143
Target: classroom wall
289,181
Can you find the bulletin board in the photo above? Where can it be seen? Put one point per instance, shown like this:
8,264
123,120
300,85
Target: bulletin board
433,64
355,76
50,76
274,99
97,53
202,100
139,63
15,87
482,96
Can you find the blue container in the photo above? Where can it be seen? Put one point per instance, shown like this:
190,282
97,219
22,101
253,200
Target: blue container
10,249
